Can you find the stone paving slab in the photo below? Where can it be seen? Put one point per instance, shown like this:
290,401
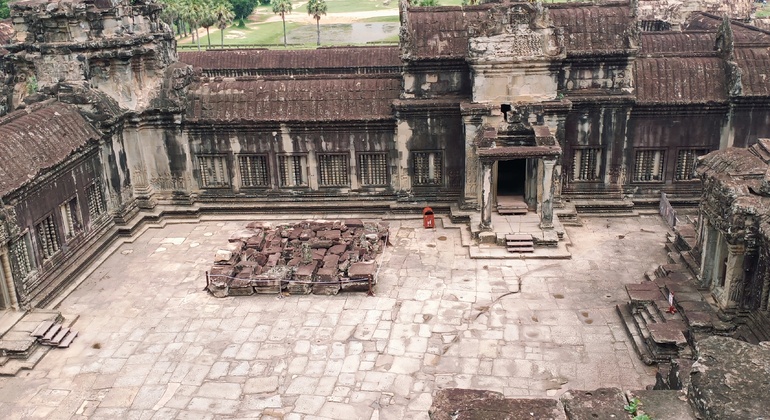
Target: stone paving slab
152,344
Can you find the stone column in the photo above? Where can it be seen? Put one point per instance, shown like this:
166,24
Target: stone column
546,208
486,195
6,276
734,276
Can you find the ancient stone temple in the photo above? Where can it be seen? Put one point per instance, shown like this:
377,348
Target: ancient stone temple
734,227
545,108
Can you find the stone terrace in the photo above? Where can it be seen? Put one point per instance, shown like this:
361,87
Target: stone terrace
154,345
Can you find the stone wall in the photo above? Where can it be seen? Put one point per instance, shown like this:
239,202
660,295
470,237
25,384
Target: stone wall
122,49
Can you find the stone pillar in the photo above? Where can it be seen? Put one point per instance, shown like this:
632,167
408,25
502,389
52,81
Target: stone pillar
734,277
486,195
546,208
708,254
7,288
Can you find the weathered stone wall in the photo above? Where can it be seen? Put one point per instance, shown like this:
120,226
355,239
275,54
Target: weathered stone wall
676,12
273,140
122,50
729,380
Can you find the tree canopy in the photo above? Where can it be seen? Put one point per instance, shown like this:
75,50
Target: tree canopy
5,10
316,8
282,7
243,8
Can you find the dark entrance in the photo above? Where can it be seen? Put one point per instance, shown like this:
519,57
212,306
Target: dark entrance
511,177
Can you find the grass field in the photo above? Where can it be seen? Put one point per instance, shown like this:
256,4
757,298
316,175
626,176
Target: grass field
259,31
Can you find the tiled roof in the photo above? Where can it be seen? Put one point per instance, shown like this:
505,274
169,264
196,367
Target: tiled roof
589,28
755,70
680,80
6,32
309,99
31,143
742,33
691,42
294,59
733,161
441,32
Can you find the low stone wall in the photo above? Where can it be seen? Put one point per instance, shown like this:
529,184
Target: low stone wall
314,256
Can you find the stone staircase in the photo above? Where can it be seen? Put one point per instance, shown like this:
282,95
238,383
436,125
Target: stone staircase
511,205
660,334
519,242
20,350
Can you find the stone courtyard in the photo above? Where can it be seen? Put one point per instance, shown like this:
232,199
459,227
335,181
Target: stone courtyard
153,344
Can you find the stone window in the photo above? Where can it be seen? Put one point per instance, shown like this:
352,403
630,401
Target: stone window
655,26
254,170
48,236
649,166
21,263
587,164
373,168
96,203
427,168
686,161
70,214
214,173
333,170
291,170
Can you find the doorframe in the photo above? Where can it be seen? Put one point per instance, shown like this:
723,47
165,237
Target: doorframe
496,177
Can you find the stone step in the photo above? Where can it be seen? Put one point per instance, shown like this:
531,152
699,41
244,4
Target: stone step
58,337
68,339
511,211
14,366
520,249
632,330
42,329
51,333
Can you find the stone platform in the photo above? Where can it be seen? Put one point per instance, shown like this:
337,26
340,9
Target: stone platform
552,243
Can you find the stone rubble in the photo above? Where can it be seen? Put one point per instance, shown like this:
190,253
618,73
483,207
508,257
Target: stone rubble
314,256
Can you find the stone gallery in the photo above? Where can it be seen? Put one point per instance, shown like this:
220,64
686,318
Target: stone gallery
550,110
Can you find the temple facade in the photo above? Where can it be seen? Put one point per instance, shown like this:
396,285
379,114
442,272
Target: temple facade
558,108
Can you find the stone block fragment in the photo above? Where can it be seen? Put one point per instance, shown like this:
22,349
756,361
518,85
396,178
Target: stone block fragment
331,260
354,223
360,275
301,284
602,403
326,281
331,235
472,404
338,249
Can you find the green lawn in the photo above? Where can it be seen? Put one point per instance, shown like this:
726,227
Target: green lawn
261,34
763,12
343,6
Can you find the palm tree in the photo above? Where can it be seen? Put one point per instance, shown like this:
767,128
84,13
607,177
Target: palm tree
194,13
316,8
282,7
224,16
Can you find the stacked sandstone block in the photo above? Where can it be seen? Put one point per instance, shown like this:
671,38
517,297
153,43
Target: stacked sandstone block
315,256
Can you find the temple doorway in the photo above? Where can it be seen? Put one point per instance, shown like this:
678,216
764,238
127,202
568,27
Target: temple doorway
511,186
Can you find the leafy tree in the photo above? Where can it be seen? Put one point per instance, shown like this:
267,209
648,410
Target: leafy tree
5,10
316,8
224,17
243,8
282,7
425,3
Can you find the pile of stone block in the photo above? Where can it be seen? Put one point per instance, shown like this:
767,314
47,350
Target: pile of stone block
314,256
